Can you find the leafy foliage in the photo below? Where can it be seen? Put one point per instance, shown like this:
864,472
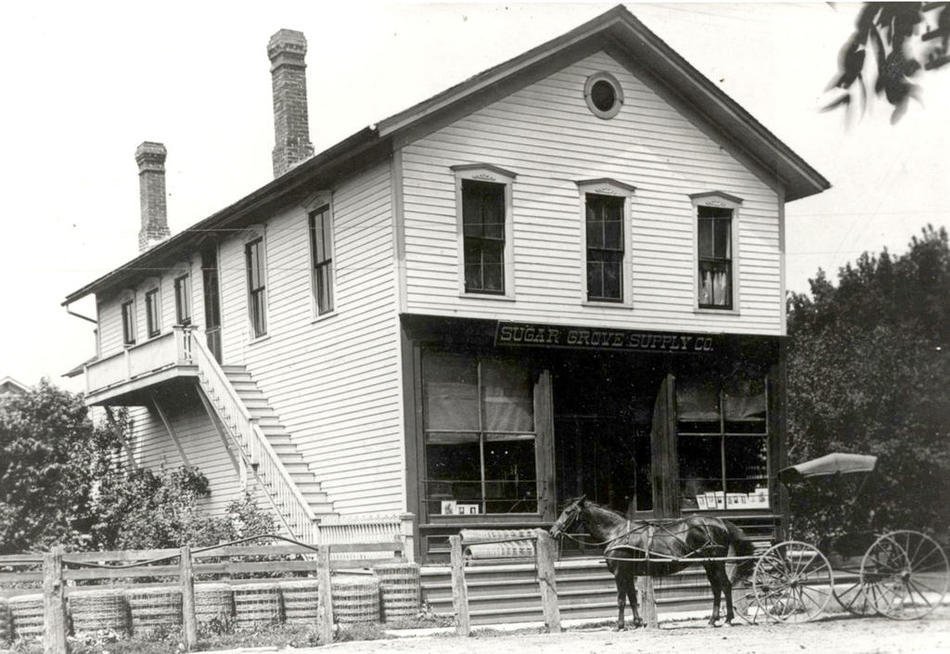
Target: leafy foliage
868,373
50,456
903,39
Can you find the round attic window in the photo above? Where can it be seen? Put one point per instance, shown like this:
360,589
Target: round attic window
603,95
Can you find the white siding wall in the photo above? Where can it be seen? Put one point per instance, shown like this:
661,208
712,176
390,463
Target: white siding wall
546,134
334,381
153,448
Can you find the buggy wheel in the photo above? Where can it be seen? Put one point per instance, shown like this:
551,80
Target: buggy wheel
906,573
744,604
857,597
792,582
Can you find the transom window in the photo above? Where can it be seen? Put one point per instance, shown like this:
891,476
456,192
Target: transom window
715,257
483,229
723,442
257,298
182,300
479,435
152,313
605,247
321,249
128,322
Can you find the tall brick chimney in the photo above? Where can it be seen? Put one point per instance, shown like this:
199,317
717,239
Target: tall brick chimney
151,160
287,49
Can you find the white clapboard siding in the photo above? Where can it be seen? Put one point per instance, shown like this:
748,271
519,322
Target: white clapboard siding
203,448
548,137
334,381
110,326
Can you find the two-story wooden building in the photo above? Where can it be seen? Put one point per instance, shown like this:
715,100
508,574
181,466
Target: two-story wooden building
561,276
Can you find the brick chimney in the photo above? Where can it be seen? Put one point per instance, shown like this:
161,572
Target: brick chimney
151,160
286,50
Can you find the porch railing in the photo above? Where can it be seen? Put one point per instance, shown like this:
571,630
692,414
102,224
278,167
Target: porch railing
173,348
289,503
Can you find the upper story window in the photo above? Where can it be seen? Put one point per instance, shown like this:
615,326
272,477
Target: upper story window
256,289
485,229
604,95
606,239
183,300
715,250
128,322
153,321
321,252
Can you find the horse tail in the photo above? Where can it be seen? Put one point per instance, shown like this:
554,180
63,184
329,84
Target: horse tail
743,547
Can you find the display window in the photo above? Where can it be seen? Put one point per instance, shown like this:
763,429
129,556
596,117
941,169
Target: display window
480,435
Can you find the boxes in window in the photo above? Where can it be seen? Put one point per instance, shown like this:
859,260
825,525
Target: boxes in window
701,502
760,497
467,509
448,507
736,500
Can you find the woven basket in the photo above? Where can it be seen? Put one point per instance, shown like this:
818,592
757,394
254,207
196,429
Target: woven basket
213,602
256,604
355,599
400,590
6,629
92,610
153,608
300,600
27,614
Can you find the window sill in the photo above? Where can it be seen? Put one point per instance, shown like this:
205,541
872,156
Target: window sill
324,316
487,296
259,339
717,312
607,305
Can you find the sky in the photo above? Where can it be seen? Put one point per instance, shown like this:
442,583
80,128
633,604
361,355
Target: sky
85,83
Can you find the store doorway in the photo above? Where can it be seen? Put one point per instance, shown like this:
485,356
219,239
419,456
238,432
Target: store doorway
603,415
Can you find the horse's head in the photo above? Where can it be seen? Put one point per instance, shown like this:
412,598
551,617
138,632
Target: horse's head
568,516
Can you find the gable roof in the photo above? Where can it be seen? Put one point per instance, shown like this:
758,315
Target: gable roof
10,385
617,31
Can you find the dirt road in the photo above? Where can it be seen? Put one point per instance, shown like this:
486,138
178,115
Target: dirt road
837,635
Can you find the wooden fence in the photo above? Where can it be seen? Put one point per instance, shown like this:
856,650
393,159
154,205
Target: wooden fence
120,569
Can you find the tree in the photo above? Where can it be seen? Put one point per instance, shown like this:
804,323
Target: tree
903,39
868,373
50,457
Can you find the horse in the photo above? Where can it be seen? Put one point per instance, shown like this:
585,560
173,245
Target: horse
660,547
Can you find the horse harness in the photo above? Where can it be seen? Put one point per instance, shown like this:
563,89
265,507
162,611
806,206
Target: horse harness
651,527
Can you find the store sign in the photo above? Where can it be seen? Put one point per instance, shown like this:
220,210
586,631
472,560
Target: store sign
600,338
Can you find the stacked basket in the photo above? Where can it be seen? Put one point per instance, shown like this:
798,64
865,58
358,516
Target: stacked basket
6,631
213,602
355,599
300,600
92,610
27,614
256,604
399,589
154,608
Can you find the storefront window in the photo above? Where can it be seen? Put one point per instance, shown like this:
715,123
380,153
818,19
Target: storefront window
723,443
480,440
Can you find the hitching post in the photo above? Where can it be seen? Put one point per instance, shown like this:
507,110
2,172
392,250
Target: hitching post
54,603
324,596
544,550
648,601
188,619
459,591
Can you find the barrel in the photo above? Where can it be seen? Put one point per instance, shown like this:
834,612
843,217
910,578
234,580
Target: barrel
154,608
300,600
400,590
92,610
26,612
214,602
355,599
256,604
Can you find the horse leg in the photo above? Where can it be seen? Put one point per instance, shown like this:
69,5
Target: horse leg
632,596
727,591
717,592
621,601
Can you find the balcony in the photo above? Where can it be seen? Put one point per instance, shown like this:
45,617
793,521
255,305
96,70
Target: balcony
126,377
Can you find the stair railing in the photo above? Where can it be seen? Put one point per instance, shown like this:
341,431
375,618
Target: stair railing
276,481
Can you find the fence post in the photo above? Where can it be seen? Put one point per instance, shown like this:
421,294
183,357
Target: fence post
544,551
54,603
648,601
324,596
459,591
188,619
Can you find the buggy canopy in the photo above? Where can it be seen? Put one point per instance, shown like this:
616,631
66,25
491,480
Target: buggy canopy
830,464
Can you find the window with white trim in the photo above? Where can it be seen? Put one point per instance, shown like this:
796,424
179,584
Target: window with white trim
321,254
256,286
483,194
183,300
716,286
153,320
607,242
128,322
